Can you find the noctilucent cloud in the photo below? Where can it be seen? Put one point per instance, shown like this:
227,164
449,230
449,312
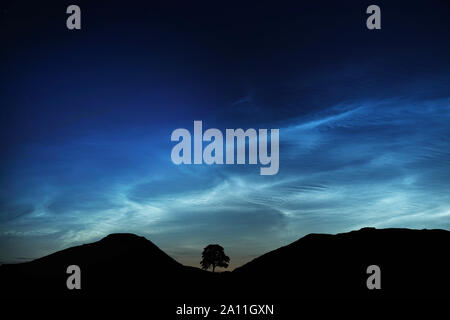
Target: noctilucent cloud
86,119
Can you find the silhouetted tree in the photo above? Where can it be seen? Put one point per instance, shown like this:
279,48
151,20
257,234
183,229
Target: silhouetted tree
214,255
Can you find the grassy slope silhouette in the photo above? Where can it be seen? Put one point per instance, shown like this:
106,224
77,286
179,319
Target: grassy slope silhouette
413,264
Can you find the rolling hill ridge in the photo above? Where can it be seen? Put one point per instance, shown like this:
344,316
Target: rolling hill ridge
413,264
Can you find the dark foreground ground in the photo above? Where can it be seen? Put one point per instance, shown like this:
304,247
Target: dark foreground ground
413,264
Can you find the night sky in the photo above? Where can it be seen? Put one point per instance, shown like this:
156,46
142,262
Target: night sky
86,118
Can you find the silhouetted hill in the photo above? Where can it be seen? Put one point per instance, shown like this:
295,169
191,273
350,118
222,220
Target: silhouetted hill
118,265
117,248
413,263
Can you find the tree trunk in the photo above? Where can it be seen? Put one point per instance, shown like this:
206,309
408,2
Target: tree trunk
214,267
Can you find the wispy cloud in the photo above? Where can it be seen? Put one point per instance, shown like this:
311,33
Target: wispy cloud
380,163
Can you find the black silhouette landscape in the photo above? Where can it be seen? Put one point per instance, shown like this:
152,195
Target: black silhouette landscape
413,263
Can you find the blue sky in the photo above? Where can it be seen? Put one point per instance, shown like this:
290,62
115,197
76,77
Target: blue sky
86,120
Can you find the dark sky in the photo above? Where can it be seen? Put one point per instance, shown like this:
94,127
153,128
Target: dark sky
86,118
